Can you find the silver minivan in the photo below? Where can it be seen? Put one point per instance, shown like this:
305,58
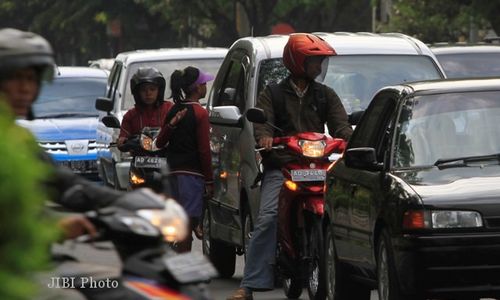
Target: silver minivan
114,165
365,63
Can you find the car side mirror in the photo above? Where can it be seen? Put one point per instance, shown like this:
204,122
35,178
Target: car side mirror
355,117
362,158
111,121
256,115
104,104
226,116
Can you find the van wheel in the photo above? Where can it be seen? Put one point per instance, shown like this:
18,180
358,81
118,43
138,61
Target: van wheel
222,255
247,229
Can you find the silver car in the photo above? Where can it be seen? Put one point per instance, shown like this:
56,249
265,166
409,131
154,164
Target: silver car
365,63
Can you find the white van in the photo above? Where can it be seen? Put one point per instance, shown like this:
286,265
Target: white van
114,165
365,62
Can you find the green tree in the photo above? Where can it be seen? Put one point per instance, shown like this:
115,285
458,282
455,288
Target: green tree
25,236
444,20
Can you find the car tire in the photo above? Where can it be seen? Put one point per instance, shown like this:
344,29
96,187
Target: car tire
316,268
222,255
292,287
338,284
387,281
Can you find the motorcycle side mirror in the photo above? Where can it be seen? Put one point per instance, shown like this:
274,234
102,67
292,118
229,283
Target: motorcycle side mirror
256,115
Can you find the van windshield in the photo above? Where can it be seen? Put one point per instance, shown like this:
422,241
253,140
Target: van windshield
167,67
461,65
356,78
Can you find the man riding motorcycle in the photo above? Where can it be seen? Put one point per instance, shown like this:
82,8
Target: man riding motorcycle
295,105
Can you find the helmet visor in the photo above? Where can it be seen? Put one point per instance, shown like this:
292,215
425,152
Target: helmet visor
324,69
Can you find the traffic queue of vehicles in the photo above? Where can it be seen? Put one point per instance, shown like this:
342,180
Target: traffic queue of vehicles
411,207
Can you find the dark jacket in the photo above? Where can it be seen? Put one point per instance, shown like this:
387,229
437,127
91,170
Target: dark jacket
188,150
301,116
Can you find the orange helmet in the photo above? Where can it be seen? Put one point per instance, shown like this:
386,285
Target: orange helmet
300,46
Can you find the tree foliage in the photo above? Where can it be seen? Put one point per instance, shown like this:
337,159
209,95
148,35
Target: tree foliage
444,20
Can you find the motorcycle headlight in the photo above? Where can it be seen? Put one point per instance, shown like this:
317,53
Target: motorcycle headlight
136,179
172,221
312,148
140,226
146,142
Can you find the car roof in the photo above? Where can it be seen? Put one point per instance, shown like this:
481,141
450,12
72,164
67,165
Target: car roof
344,43
454,85
171,53
465,48
69,71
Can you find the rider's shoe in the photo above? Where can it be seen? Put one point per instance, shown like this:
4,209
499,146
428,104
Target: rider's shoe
241,294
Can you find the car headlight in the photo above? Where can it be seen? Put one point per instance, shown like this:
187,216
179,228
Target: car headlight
456,219
172,221
441,219
312,148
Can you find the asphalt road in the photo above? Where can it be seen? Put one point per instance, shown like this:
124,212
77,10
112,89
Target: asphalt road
220,289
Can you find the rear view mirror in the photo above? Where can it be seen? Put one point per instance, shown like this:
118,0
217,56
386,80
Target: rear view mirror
111,121
104,104
256,115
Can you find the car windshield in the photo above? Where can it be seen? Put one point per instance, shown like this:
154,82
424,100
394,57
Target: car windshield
464,65
356,78
167,67
69,97
434,128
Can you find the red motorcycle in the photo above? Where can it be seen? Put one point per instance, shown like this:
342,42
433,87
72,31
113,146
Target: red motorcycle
300,257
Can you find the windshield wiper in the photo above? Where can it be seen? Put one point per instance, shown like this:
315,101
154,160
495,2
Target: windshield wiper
462,161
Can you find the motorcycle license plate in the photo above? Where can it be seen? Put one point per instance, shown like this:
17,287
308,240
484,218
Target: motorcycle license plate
150,162
308,175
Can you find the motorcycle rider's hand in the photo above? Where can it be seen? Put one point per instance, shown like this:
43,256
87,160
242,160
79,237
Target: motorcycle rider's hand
75,226
178,117
266,142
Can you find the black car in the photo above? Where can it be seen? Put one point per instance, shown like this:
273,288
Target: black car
413,205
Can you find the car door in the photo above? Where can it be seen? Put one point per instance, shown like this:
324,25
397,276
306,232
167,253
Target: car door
362,189
229,93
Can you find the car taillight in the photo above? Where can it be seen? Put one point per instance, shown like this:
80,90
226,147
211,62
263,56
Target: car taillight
312,148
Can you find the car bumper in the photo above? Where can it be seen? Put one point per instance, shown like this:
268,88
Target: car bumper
449,264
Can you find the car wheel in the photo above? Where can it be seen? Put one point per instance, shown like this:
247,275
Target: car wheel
222,255
292,287
316,267
388,286
338,285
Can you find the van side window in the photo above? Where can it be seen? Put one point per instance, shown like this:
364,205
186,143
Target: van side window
114,77
232,89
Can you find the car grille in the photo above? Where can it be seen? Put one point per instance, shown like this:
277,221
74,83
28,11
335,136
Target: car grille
61,148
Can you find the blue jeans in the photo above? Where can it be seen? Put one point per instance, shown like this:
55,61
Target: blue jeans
260,259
